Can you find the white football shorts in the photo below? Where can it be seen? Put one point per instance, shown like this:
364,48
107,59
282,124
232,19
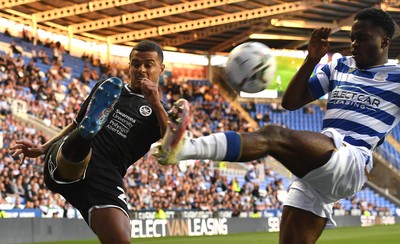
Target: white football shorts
342,176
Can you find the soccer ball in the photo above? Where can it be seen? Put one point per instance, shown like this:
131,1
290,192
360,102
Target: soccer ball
250,67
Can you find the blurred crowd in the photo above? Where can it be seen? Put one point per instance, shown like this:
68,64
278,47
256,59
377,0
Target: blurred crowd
54,98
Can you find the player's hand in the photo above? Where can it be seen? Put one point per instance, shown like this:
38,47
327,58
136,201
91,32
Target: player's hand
150,91
23,149
318,45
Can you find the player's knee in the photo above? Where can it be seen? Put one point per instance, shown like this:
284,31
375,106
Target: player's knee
270,131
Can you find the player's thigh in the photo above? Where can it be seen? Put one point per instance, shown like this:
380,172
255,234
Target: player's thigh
71,171
278,139
111,225
300,227
290,147
66,171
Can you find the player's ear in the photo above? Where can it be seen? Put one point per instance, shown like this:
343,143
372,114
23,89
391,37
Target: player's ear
162,68
385,42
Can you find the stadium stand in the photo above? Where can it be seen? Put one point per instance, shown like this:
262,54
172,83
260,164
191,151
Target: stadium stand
49,92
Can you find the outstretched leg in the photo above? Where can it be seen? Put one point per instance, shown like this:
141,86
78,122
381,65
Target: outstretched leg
299,151
75,153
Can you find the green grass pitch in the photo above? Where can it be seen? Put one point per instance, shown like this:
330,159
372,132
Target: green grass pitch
286,68
343,235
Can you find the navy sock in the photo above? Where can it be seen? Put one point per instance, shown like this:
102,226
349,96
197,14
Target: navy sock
75,148
233,150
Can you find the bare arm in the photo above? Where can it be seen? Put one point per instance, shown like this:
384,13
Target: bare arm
297,93
68,129
28,149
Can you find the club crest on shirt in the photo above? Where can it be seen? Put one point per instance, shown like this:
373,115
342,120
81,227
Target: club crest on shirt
380,76
145,110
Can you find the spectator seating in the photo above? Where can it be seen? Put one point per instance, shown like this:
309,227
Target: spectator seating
212,114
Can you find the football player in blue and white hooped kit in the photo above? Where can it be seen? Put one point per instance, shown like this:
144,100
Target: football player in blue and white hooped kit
363,106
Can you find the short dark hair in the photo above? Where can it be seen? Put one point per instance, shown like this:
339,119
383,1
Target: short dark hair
378,18
146,46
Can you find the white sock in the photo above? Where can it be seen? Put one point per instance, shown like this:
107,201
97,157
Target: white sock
211,147
224,146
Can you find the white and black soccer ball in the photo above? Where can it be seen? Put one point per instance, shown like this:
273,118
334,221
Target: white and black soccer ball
250,67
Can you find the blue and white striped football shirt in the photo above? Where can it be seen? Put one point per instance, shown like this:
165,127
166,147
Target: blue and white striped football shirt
363,104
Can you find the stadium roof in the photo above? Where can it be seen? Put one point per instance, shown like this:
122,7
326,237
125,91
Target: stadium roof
202,26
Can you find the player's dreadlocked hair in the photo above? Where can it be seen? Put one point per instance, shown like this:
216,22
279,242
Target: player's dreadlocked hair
378,18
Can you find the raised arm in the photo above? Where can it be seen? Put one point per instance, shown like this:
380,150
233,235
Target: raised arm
297,93
152,94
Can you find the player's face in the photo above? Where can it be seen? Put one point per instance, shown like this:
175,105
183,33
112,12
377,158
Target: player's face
368,44
144,65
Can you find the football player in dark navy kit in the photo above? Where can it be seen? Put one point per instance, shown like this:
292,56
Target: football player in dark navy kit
115,127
